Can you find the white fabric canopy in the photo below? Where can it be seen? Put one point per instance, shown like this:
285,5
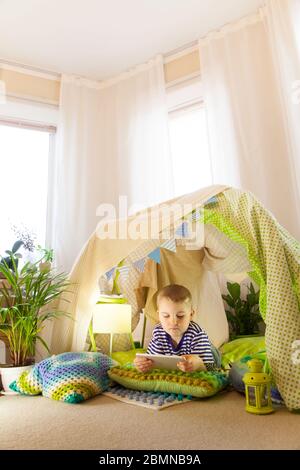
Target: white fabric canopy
246,120
99,255
112,141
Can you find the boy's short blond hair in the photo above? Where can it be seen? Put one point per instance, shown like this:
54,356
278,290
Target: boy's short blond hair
175,293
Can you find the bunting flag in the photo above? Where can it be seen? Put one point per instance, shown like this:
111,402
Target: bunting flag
170,245
155,255
183,230
212,200
124,271
196,214
110,273
140,264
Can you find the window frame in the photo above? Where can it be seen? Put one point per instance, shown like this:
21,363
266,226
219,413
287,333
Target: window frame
41,127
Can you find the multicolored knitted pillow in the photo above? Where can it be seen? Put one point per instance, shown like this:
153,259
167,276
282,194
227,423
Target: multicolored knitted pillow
196,384
69,377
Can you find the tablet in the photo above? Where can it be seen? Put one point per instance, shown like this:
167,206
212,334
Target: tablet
161,361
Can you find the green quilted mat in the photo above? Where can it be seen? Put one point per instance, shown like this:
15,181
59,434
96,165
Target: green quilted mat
196,384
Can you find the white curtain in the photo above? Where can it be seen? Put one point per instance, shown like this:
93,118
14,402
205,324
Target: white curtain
112,140
246,122
282,20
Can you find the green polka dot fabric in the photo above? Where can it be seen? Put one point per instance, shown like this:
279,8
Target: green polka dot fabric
275,262
196,384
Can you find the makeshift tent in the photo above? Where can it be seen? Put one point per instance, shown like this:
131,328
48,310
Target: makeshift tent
230,233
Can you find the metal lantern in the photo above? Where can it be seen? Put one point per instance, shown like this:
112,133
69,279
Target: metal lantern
257,388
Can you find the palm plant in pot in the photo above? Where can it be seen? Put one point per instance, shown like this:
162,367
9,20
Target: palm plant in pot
27,302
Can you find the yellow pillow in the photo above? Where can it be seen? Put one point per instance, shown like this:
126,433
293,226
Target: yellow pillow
125,357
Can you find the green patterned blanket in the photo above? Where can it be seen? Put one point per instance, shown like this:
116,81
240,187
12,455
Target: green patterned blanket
275,259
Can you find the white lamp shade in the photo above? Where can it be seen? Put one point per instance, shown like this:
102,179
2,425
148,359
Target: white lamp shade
112,318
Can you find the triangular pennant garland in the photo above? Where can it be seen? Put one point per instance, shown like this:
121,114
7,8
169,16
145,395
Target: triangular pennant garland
212,200
124,271
196,215
140,264
170,245
183,230
155,255
110,273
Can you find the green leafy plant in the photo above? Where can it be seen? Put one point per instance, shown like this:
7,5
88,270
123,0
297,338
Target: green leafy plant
47,254
243,314
12,255
26,303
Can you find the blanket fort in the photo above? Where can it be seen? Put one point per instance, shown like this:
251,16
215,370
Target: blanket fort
240,238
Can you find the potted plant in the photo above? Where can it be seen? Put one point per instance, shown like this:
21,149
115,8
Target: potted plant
243,315
12,255
46,260
25,307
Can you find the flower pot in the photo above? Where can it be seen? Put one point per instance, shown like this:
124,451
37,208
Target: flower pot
45,267
9,374
4,282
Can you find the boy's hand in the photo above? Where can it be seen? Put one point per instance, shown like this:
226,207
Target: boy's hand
143,364
191,363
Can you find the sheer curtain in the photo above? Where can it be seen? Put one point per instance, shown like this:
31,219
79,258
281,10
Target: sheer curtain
112,141
246,122
282,20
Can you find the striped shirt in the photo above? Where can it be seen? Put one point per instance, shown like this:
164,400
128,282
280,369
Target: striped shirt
193,341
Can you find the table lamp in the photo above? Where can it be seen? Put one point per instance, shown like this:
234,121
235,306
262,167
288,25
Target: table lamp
111,318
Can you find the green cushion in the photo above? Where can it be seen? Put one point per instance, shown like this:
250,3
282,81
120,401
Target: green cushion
238,348
125,357
197,384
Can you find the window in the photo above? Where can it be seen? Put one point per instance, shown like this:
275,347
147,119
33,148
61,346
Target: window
188,138
24,154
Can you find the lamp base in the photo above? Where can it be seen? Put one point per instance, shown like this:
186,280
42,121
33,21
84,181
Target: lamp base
259,411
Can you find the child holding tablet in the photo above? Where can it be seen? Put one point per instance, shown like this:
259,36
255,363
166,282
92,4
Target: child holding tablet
177,334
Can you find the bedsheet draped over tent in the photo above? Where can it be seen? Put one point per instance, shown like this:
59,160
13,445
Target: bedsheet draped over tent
240,235
96,258
275,260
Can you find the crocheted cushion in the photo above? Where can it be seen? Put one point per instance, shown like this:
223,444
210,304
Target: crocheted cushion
68,377
196,384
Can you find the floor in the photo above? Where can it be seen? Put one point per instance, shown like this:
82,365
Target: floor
219,422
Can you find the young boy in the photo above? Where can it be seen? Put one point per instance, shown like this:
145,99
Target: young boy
177,334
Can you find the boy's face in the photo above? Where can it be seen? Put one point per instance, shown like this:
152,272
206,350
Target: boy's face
174,316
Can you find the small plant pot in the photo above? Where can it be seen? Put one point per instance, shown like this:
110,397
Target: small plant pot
4,283
45,267
9,374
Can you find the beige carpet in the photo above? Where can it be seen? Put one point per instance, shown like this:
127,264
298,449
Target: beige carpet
103,423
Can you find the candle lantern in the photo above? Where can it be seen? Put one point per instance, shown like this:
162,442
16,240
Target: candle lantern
257,388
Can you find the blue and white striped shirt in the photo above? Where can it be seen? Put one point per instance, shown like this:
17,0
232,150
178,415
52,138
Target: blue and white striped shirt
193,341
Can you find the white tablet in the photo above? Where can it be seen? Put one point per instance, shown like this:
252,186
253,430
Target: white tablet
161,361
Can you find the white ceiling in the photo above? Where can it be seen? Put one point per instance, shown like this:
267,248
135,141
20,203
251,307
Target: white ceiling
100,38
